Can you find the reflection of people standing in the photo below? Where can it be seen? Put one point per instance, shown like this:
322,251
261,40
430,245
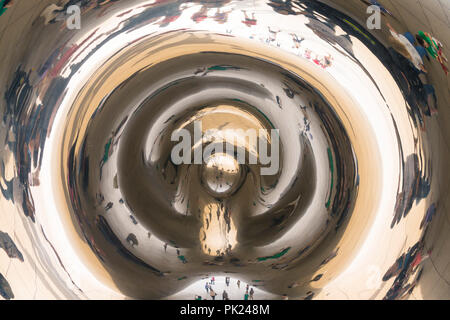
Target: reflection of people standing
251,293
221,17
239,283
106,154
213,280
200,15
212,293
224,295
249,21
207,287
246,295
227,281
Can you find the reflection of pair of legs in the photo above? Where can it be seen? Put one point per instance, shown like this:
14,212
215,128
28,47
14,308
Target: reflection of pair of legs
247,17
429,97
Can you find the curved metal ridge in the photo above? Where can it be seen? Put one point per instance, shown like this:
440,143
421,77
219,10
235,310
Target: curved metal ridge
294,146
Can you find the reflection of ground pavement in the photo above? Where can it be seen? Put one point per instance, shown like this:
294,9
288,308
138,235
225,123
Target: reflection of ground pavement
234,293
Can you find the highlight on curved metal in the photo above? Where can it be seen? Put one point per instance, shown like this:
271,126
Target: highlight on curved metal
343,193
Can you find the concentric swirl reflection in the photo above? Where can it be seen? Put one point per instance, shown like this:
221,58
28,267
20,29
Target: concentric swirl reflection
128,146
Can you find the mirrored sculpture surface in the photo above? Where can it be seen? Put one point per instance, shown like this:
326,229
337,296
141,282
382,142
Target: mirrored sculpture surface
296,146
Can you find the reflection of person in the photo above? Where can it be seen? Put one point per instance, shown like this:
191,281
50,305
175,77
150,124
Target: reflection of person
297,41
402,269
427,42
428,215
106,154
283,7
395,269
7,244
5,289
5,4
249,21
200,15
440,47
50,13
212,293
182,258
221,17
402,45
132,240
434,48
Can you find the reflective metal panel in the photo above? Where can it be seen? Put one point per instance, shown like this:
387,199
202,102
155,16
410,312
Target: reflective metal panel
298,147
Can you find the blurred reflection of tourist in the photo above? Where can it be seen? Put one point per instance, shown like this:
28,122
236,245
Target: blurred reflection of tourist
212,293
249,21
402,45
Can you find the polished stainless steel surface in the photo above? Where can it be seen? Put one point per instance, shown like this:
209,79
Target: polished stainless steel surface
343,194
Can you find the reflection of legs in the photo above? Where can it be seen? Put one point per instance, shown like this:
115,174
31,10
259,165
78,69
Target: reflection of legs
102,163
245,15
